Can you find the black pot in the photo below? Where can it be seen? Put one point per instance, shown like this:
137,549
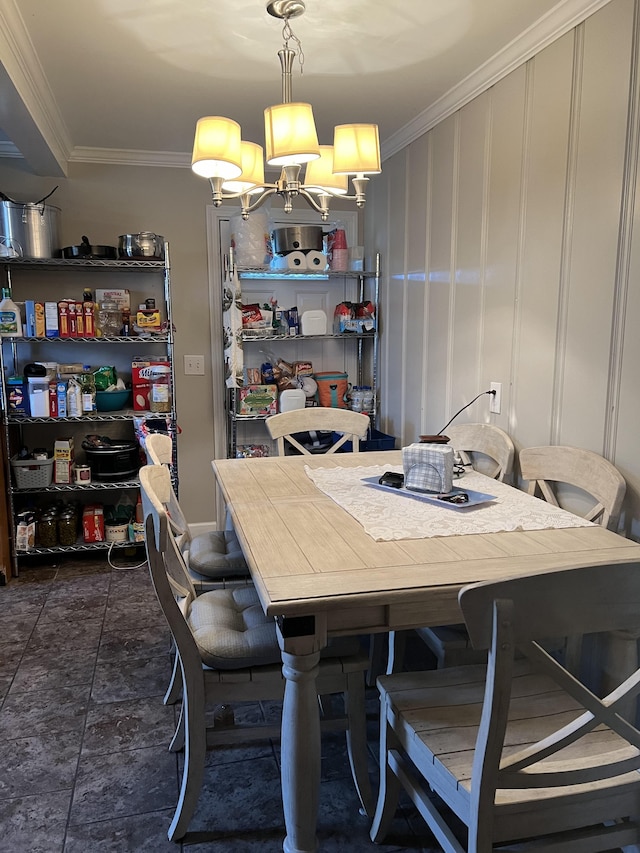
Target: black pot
90,252
115,461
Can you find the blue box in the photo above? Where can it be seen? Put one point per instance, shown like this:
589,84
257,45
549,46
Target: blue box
30,318
376,440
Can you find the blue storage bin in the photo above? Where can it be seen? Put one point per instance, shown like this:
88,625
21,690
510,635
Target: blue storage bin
375,440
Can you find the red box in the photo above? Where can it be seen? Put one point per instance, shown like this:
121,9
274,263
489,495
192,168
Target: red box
93,523
141,380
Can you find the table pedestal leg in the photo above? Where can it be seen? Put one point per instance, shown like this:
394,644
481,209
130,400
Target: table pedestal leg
300,752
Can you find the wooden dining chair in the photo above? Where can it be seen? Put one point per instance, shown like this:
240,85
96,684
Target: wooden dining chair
214,558
546,468
490,450
228,652
519,750
345,425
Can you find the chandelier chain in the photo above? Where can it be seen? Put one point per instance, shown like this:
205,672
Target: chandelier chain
288,34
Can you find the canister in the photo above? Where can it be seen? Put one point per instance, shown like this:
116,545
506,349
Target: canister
160,391
82,474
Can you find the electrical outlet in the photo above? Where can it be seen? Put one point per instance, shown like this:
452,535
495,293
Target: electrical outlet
495,403
194,365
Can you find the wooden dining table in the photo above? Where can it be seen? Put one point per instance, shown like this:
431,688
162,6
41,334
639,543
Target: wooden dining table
320,574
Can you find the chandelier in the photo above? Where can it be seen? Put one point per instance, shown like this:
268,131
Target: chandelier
235,168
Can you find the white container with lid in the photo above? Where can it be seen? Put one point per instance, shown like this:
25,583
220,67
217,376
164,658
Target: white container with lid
38,396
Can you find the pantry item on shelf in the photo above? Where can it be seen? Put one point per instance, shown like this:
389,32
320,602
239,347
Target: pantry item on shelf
332,389
292,398
258,400
67,527
313,322
64,456
10,319
145,244
74,398
148,320
88,251
112,400
47,529
160,398
297,238
108,319
25,531
88,385
250,241
111,458
82,475
34,225
338,250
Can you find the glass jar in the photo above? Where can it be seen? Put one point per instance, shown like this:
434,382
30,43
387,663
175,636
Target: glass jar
67,527
160,390
48,530
109,319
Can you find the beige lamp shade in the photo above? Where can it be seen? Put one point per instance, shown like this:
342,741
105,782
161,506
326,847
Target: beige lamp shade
319,174
216,148
356,149
252,171
290,134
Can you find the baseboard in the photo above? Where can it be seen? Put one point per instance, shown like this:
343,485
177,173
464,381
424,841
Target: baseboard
202,527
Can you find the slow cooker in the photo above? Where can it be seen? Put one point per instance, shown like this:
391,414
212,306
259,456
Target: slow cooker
117,460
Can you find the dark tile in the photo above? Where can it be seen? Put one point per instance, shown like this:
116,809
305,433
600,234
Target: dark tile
140,833
124,615
20,599
20,625
240,797
79,587
38,712
134,679
131,782
35,824
39,764
51,668
64,634
138,723
87,605
134,642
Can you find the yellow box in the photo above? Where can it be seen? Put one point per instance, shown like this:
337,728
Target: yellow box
39,320
63,450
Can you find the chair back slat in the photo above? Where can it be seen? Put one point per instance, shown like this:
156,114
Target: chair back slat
594,742
488,440
352,425
583,469
159,448
158,500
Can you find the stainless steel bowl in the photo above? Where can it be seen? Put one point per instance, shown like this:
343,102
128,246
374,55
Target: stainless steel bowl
146,244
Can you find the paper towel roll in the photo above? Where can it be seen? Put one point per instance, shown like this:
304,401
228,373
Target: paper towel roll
297,261
316,260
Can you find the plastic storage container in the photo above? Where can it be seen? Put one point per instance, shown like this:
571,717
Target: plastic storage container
160,391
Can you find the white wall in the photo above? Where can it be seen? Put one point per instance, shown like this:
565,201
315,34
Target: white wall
509,254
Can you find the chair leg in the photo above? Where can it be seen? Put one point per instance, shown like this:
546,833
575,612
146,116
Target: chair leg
195,750
177,741
376,658
389,790
354,699
174,690
397,646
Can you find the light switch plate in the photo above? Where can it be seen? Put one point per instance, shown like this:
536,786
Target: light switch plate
194,365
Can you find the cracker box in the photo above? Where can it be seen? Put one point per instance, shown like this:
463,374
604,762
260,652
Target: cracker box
63,449
258,400
121,297
141,368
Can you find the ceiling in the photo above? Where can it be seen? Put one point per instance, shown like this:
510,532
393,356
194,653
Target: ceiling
126,80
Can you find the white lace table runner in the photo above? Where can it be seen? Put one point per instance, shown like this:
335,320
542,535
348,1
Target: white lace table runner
386,515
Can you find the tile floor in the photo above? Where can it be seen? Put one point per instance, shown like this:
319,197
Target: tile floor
84,765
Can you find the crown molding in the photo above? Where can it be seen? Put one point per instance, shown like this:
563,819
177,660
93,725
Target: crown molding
124,157
558,21
30,115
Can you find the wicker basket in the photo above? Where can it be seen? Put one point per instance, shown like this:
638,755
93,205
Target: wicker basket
32,473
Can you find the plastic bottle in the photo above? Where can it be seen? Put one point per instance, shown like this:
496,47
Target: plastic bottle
10,320
74,398
88,385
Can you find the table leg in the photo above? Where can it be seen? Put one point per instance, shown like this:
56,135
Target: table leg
300,746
